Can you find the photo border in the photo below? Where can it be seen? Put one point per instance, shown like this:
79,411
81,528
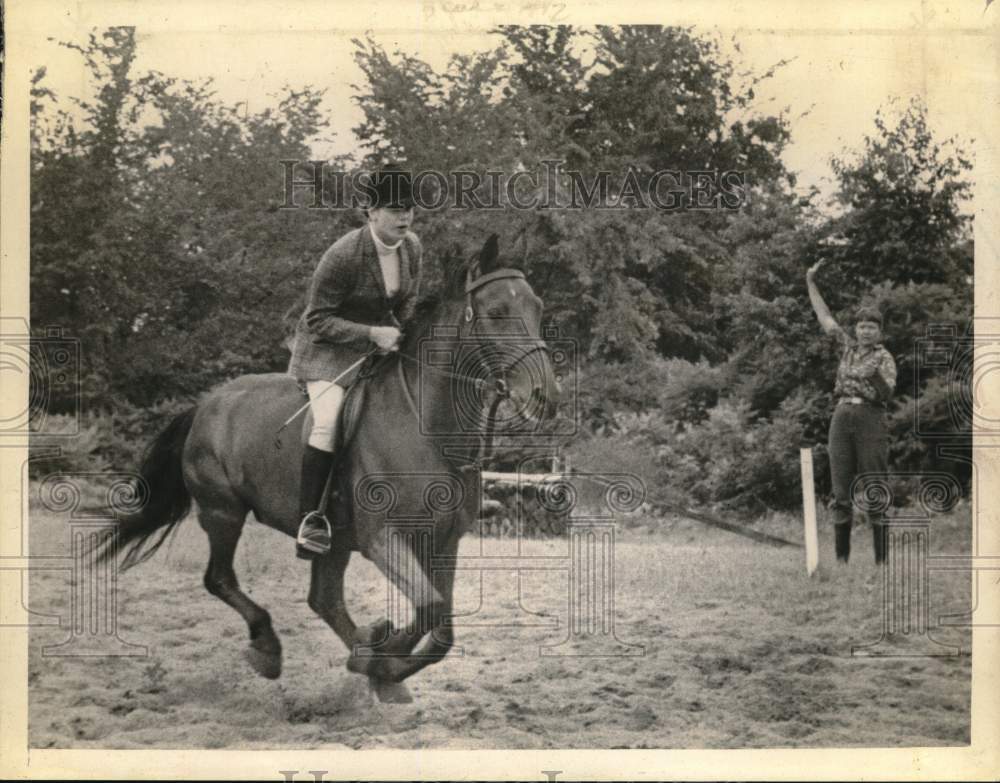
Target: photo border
29,22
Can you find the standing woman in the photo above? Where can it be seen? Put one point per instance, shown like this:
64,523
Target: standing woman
362,294
858,442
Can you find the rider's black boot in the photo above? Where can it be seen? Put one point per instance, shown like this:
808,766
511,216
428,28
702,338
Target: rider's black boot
314,533
842,541
879,539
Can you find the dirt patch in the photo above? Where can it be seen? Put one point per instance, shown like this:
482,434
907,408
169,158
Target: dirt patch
716,644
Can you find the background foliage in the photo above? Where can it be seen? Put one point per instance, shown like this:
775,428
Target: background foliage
157,241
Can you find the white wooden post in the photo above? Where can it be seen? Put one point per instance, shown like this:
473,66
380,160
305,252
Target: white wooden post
809,509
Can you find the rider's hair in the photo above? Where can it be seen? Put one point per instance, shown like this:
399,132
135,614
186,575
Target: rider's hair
868,313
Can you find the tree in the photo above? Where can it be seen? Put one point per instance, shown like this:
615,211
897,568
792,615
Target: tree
157,237
903,197
82,175
156,234
628,284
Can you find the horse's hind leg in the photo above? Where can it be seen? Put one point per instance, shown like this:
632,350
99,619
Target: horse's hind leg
224,526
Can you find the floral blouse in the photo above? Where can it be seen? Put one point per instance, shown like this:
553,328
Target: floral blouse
857,365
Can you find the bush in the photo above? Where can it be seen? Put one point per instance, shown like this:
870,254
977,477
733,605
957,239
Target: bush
69,445
606,390
729,458
677,388
104,441
690,390
947,450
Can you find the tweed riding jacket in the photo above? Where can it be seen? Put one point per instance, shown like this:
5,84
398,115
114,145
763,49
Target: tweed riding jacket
346,297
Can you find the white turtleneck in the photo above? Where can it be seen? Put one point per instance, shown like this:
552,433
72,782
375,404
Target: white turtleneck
388,258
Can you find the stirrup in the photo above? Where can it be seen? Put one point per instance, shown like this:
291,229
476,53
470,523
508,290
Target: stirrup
312,539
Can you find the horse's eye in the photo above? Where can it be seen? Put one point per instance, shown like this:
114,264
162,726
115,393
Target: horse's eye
495,312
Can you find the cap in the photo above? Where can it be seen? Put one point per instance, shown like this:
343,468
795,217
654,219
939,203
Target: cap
390,186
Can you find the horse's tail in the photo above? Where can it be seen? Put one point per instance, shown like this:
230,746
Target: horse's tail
167,500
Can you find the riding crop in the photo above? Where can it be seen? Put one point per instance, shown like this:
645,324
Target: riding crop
300,411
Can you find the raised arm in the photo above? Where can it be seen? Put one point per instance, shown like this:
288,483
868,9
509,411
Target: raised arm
830,326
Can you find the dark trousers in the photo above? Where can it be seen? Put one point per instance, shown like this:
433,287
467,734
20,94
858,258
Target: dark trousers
858,444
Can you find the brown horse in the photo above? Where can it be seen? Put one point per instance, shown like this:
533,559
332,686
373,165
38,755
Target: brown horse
406,468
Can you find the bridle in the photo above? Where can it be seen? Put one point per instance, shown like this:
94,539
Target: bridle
500,375
472,284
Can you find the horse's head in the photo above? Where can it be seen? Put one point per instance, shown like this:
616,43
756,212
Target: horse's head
501,329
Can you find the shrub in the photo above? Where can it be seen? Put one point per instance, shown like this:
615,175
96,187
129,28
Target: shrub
678,388
730,458
104,440
690,390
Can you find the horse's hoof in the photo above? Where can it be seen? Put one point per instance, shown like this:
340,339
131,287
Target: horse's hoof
359,664
390,692
264,663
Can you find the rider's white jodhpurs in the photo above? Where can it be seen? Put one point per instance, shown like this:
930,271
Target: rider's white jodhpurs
325,403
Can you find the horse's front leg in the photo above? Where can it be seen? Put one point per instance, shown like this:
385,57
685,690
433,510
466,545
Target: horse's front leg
433,648
381,645
326,598
326,592
396,655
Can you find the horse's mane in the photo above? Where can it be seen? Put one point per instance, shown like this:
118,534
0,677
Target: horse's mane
454,286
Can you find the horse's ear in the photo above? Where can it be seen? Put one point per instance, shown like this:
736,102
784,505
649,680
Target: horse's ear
524,248
489,254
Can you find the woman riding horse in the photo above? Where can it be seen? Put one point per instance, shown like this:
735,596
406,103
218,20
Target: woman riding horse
363,293
414,474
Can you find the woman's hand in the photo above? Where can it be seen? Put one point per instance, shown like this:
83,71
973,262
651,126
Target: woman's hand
816,300
386,337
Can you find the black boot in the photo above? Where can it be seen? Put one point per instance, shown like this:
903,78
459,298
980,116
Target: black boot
842,540
314,533
879,539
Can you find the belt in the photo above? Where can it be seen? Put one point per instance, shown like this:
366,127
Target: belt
858,401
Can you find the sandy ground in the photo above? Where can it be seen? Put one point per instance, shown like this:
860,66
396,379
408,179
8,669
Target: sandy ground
731,646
